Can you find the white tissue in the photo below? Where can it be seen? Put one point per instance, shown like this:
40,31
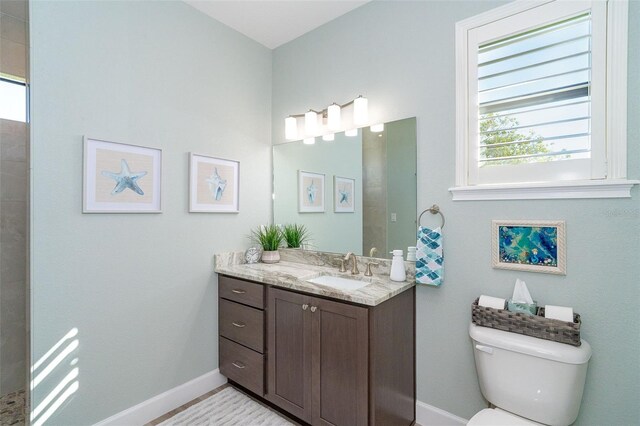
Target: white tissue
521,293
562,313
491,302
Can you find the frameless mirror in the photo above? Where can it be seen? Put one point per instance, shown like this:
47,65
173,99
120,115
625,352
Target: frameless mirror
362,188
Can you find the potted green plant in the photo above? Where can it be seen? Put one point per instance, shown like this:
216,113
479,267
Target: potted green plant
295,235
270,238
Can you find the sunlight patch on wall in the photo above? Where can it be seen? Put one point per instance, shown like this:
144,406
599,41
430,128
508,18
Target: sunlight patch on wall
60,357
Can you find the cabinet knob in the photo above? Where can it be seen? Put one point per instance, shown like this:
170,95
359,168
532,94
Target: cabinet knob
313,308
304,307
236,291
239,324
238,365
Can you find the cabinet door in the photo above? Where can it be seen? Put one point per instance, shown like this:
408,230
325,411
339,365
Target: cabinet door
340,363
289,352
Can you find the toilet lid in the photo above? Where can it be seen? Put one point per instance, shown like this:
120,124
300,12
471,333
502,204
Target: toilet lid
497,417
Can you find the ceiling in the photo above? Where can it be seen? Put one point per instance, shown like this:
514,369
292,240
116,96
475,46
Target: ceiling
273,23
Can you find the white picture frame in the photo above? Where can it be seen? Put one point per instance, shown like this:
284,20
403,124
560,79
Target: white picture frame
121,178
344,194
529,245
311,193
214,184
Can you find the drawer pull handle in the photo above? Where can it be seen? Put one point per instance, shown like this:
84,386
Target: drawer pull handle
236,291
237,365
313,308
304,307
239,324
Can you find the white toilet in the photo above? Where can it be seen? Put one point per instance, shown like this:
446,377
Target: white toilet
530,381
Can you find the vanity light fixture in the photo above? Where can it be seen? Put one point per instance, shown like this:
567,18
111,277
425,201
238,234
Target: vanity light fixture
309,141
332,115
360,110
351,132
291,128
329,137
377,128
311,122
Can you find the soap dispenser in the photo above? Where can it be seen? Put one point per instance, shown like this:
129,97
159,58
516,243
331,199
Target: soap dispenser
397,267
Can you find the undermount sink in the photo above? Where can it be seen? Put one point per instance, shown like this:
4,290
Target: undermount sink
339,283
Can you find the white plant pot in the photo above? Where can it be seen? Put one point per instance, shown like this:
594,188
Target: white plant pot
271,256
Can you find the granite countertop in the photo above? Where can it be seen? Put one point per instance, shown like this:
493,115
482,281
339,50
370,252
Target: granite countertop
292,273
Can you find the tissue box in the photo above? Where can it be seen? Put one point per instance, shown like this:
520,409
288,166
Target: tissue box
525,308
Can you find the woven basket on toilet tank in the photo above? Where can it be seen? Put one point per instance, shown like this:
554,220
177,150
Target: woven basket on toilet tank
530,325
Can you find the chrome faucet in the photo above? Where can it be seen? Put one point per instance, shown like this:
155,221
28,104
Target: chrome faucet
354,264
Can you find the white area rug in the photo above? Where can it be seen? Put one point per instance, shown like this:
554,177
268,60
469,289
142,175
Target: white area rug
227,407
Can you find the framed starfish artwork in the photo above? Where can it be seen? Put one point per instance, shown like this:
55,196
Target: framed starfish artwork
121,178
343,194
310,192
213,184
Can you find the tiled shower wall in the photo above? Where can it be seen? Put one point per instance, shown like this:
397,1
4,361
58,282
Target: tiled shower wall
374,201
13,207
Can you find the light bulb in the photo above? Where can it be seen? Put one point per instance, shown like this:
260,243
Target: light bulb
377,128
360,111
333,117
351,132
329,137
309,141
311,123
290,128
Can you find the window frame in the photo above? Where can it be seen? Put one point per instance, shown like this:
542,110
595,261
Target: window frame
613,183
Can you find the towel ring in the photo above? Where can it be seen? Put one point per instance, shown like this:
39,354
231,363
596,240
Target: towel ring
434,209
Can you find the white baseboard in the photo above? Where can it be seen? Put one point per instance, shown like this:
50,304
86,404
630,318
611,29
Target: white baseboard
166,401
428,415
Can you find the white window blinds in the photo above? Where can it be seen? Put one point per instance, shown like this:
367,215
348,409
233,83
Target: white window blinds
534,100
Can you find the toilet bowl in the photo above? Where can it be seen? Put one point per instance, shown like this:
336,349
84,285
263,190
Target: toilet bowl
530,381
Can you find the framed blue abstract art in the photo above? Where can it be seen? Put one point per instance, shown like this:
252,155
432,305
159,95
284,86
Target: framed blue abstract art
121,178
534,246
310,192
214,184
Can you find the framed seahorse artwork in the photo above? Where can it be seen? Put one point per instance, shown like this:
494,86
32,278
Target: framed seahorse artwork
213,184
121,178
311,193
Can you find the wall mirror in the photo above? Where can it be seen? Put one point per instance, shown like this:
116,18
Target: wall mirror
365,184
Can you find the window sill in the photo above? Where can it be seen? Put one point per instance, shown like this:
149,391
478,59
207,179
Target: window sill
613,188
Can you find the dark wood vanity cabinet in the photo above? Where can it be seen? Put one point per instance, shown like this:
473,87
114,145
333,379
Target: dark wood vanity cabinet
318,358
327,362
241,332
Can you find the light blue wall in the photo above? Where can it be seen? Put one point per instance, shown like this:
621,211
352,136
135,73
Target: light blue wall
140,289
401,56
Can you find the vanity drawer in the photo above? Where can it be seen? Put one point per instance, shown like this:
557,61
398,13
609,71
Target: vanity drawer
241,291
242,365
241,324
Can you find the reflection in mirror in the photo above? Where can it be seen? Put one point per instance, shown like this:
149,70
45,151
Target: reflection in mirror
383,166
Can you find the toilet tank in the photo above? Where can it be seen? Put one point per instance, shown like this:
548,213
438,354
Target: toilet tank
534,378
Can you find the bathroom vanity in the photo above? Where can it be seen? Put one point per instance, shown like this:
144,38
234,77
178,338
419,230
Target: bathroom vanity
325,355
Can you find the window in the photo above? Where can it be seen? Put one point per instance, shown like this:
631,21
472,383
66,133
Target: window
13,100
540,86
